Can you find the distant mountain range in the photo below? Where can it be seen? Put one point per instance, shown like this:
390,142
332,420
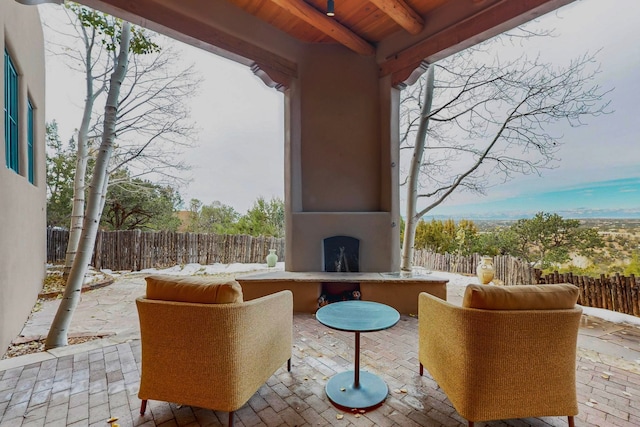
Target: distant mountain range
612,199
567,214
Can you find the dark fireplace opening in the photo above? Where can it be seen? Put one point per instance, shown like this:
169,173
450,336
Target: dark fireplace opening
341,254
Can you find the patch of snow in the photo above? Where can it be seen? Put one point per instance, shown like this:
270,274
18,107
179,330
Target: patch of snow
217,268
191,269
113,273
456,282
241,268
611,316
175,269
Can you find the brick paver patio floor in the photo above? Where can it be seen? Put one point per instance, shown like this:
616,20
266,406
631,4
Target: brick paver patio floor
92,385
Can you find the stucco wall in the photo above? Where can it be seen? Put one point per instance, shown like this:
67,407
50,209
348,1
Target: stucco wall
340,173
340,157
22,204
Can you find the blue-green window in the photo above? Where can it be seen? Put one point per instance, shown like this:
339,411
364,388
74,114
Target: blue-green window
30,141
11,114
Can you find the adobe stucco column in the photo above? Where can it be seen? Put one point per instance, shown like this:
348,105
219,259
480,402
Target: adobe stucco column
341,171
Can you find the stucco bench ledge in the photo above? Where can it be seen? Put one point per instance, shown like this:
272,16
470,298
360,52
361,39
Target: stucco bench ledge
399,291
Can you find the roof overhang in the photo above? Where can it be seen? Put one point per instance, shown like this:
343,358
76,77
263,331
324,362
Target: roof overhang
269,35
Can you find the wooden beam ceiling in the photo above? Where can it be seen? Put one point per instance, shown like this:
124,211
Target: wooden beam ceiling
275,70
400,12
487,22
454,25
327,25
397,10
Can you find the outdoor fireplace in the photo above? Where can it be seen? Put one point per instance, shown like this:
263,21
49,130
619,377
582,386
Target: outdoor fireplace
341,254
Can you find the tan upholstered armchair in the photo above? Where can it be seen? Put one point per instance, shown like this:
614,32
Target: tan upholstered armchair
507,360
211,355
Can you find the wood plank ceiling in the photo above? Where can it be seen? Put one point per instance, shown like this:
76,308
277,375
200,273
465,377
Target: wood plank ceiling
357,24
423,30
403,35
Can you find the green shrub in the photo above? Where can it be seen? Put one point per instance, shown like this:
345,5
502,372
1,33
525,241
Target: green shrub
634,266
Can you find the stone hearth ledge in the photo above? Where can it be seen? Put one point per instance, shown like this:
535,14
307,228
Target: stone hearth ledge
397,290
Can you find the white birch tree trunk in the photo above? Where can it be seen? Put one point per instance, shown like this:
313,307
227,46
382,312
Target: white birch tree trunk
82,159
58,333
414,173
77,209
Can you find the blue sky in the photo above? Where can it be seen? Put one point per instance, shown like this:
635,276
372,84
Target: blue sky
240,151
616,198
597,172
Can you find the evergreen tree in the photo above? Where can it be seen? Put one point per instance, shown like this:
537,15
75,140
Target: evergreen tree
61,162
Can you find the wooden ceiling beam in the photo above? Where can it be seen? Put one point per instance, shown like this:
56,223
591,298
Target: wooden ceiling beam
327,25
158,17
492,20
402,14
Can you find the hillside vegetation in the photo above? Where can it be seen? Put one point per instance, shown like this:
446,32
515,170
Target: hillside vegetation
548,241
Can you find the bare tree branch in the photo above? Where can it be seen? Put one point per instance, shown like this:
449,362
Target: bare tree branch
490,120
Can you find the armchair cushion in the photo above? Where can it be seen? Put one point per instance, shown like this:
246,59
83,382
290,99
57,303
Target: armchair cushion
201,290
521,297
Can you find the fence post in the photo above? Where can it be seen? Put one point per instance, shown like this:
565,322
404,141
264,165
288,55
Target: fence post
635,298
97,251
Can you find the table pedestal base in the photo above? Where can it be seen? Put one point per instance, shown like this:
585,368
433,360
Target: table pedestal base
371,391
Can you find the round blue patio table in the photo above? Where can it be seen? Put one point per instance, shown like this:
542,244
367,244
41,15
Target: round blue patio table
357,389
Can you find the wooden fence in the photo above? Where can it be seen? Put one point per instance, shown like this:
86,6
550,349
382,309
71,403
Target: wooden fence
510,270
136,250
616,293
57,240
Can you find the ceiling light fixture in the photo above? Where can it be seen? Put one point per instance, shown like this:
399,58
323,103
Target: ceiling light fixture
330,8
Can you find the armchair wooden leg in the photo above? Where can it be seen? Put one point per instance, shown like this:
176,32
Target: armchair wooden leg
289,365
470,423
421,369
231,419
143,407
571,422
